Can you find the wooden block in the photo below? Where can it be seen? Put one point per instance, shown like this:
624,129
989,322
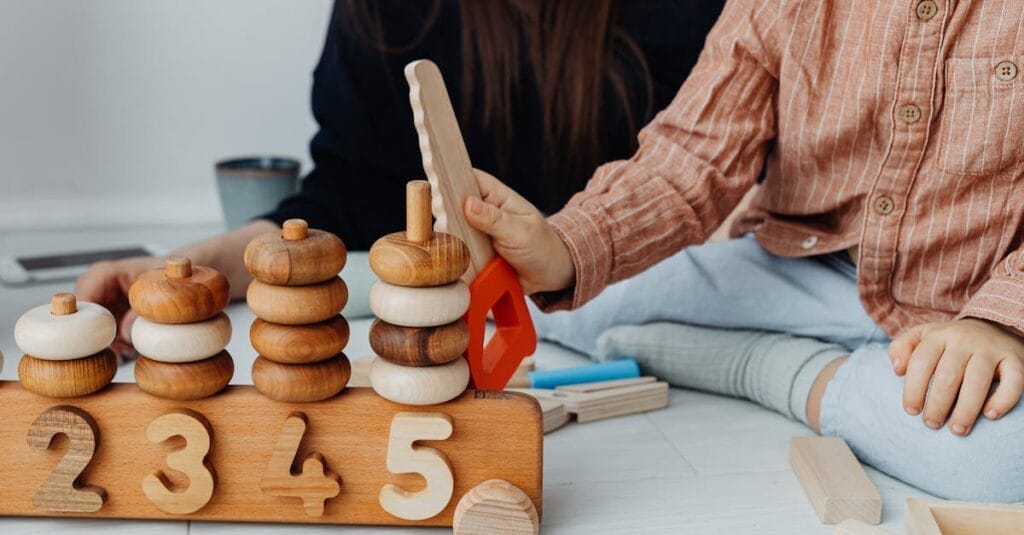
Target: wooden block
184,381
419,385
62,491
181,342
495,506
446,161
941,517
834,481
313,483
299,344
419,307
79,330
297,305
179,293
405,458
297,383
67,378
856,527
606,385
191,460
602,404
497,435
296,256
555,413
419,346
521,378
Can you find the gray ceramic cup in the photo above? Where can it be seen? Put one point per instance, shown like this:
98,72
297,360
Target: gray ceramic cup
252,186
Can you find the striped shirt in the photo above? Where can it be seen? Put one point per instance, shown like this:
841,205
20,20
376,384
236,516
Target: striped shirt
894,127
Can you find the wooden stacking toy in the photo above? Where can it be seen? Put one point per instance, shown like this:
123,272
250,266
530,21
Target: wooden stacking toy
182,331
297,297
67,348
419,335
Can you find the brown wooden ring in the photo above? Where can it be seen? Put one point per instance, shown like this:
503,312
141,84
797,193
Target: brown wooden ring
439,261
300,383
299,344
297,305
184,381
275,259
163,299
419,346
67,378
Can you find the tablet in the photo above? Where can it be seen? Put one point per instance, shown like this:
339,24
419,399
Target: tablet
62,266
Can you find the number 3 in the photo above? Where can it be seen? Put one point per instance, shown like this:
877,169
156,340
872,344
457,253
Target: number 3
191,460
403,458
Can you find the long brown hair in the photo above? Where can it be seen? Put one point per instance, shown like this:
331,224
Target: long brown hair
576,49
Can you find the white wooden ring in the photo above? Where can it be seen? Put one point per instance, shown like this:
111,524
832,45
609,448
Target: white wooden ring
419,307
420,385
181,342
72,336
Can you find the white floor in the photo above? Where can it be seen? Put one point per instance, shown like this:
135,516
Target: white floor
706,464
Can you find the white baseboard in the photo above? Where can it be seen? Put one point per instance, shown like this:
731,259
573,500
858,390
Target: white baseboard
107,212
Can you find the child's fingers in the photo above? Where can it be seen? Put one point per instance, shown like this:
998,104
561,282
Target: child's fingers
945,385
1011,385
977,381
485,217
903,346
920,367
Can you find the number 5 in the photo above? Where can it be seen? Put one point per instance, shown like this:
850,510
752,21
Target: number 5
404,458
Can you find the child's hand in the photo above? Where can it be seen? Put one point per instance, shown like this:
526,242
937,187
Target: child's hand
961,359
521,235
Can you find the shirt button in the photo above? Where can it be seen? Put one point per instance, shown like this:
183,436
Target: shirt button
927,9
1006,71
910,113
884,205
810,242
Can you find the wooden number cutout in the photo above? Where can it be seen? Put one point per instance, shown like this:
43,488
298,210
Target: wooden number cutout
62,491
190,460
314,483
404,458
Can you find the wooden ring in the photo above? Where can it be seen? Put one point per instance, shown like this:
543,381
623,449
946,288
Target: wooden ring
301,383
426,385
419,307
183,342
179,295
402,262
419,346
296,256
45,336
297,305
299,344
67,378
185,381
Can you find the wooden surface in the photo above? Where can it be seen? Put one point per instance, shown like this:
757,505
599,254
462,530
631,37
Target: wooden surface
87,331
299,344
311,256
181,342
67,378
834,481
495,506
187,380
445,160
419,346
940,517
424,385
167,296
298,383
419,307
297,305
350,431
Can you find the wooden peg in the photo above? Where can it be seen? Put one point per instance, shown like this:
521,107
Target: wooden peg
67,378
190,460
295,229
299,344
419,307
419,346
404,457
297,305
178,267
313,483
63,491
495,506
180,293
426,385
299,383
44,335
187,380
182,342
62,304
834,481
418,221
296,256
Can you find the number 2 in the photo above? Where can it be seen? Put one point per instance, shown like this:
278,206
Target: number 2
62,491
404,457
190,460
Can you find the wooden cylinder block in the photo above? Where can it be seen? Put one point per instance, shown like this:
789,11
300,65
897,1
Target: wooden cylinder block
301,383
297,305
426,385
297,256
184,381
495,506
299,344
87,331
419,307
67,378
180,293
183,342
400,261
419,346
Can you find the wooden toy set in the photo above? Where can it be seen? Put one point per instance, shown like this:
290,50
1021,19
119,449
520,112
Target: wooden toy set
417,448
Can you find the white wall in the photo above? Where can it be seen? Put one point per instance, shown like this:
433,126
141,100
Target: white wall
113,111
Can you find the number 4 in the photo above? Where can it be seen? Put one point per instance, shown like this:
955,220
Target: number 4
403,458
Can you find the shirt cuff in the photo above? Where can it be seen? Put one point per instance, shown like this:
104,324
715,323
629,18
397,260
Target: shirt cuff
1001,300
591,252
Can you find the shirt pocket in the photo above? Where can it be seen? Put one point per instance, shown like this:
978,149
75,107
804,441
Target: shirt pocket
982,122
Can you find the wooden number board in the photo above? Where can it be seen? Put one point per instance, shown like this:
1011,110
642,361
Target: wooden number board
239,456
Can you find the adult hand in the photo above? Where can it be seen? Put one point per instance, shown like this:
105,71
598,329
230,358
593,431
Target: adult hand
107,284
